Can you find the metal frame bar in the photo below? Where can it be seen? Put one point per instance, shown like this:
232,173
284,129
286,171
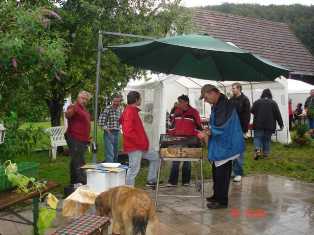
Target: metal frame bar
23,220
127,35
175,195
101,49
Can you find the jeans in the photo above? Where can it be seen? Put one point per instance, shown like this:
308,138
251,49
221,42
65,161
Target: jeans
135,165
262,139
311,123
111,141
186,173
238,165
77,151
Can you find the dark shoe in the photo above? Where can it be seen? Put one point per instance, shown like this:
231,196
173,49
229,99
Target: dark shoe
153,184
210,199
216,205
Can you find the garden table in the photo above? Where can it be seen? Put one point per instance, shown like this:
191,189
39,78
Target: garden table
11,198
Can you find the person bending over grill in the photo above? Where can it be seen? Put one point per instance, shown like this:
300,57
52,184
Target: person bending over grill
185,121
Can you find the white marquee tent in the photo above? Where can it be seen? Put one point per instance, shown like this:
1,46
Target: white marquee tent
298,91
160,93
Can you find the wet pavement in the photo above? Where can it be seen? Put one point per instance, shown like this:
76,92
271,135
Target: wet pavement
260,204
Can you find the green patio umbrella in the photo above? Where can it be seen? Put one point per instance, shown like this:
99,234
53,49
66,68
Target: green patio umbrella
198,56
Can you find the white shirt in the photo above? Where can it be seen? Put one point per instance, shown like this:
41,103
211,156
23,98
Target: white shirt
221,162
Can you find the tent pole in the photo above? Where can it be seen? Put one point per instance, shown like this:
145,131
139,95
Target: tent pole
225,89
99,51
251,85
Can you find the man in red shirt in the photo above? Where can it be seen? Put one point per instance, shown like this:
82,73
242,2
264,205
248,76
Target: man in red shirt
135,142
185,121
77,136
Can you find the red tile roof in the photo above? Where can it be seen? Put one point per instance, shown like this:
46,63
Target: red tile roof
271,40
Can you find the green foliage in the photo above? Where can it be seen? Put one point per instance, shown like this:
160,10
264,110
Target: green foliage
301,129
300,18
25,184
21,182
301,137
19,140
45,219
48,52
31,55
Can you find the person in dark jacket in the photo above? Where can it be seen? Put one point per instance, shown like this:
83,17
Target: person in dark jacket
225,130
266,113
242,105
298,113
185,121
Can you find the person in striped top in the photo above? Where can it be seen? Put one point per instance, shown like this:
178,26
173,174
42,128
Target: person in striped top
109,121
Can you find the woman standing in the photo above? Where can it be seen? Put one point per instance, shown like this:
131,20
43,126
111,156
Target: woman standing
266,114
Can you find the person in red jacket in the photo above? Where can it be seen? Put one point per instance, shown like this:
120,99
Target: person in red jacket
77,136
185,121
136,143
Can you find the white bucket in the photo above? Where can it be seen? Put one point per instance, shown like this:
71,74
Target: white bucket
100,181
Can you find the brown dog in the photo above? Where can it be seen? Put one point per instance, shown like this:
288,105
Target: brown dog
131,209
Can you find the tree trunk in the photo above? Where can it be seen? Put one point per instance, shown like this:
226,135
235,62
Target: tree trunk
55,106
55,109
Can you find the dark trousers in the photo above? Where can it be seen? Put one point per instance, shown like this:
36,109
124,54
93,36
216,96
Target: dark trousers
221,181
186,173
77,151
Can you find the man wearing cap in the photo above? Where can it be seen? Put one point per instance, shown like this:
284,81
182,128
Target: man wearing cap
225,143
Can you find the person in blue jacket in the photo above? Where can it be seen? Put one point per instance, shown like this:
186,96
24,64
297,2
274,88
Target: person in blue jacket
225,143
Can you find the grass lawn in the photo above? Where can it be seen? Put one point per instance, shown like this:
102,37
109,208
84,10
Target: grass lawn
295,162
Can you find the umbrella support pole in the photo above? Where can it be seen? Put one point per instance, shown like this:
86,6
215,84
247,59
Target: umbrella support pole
99,51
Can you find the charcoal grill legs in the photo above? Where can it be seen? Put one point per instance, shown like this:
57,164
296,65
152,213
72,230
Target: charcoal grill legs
157,185
202,181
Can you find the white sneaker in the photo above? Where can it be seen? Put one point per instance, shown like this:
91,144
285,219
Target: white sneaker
237,178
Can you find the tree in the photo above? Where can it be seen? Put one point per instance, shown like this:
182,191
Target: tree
31,54
51,50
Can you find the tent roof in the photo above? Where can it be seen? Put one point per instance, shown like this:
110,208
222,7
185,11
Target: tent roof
295,86
188,82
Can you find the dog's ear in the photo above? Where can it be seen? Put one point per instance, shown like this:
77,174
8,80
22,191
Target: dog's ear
102,204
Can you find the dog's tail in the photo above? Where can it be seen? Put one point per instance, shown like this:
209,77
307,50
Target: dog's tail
140,221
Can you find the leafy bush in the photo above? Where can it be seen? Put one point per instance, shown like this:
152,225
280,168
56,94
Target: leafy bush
301,136
19,141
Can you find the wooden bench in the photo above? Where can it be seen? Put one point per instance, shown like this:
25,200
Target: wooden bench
86,225
11,198
56,139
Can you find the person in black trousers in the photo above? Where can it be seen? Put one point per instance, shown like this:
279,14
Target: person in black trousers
225,143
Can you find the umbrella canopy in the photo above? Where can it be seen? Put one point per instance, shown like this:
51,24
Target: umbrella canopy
198,56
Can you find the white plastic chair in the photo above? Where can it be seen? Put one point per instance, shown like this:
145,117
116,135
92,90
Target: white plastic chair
56,139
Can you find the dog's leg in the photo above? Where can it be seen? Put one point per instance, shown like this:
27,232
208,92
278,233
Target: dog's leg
153,227
127,224
116,227
116,222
